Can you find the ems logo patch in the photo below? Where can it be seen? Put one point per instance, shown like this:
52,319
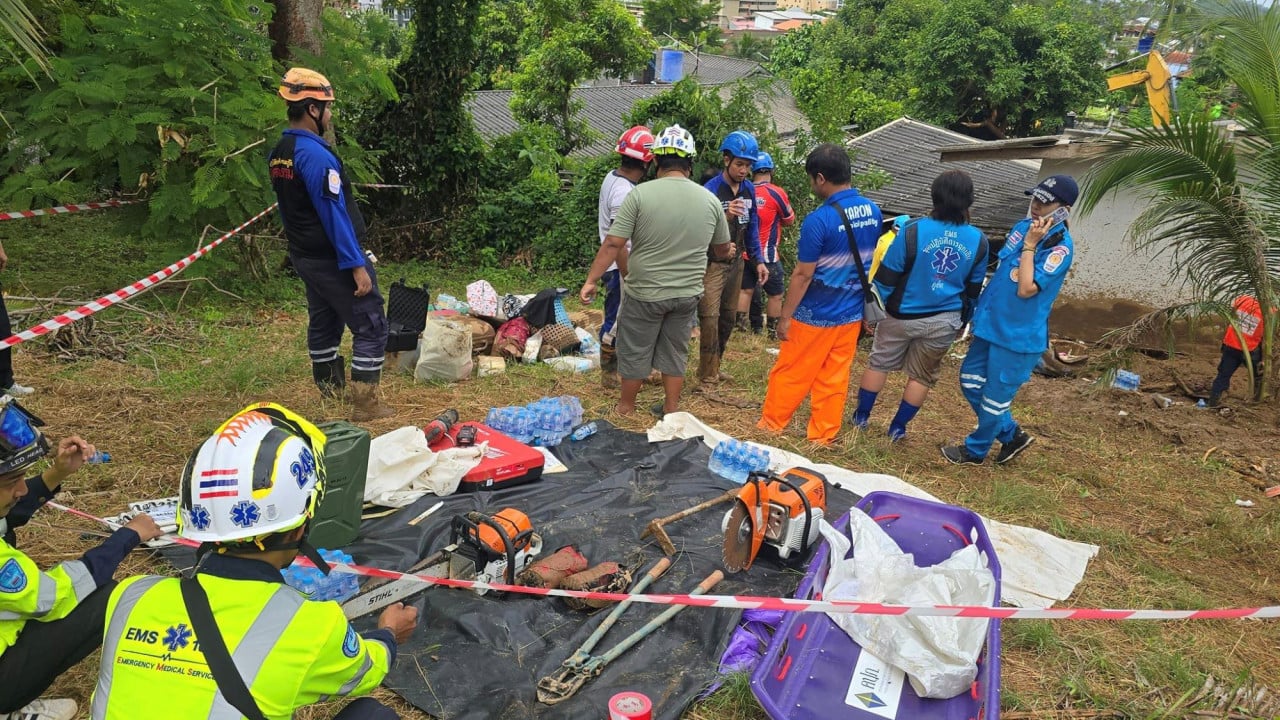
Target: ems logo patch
1055,259
245,514
334,181
199,517
176,638
351,643
12,578
945,260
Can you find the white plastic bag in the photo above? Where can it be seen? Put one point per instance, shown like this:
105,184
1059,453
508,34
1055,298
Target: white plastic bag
444,352
573,363
938,654
402,468
532,347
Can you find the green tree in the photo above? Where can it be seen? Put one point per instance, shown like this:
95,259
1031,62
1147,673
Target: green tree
1220,225
427,135
571,41
498,45
20,25
688,21
1014,70
751,47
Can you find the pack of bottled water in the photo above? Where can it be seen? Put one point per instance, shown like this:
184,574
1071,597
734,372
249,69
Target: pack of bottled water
554,418
315,585
1126,380
543,422
734,460
515,421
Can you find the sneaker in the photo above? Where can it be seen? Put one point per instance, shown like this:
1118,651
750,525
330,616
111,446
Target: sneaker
16,390
45,710
960,455
896,434
860,424
1008,451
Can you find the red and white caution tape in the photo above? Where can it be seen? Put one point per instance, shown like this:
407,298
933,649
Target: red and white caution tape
126,292
748,602
380,186
63,209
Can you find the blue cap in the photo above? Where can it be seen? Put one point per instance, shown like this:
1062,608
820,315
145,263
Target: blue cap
1056,188
764,163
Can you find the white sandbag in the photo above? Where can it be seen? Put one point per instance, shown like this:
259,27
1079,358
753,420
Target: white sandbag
938,654
444,352
402,468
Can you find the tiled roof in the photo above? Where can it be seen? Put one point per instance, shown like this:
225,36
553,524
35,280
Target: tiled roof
908,150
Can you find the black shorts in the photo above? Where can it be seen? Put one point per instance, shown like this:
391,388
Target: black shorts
772,287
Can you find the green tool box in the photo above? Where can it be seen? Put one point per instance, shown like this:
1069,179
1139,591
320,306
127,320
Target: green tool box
346,462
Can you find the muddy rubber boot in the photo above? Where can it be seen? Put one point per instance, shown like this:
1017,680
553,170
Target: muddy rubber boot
708,368
609,378
772,324
743,323
367,405
1215,399
330,377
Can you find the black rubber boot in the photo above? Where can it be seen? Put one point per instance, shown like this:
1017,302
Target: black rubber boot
330,377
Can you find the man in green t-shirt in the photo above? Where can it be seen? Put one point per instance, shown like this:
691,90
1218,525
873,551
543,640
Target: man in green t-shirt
670,222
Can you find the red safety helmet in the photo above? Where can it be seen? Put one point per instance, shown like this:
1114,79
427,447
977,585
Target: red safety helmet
637,143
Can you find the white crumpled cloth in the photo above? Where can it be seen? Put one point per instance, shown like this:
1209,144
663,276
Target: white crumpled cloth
402,468
938,654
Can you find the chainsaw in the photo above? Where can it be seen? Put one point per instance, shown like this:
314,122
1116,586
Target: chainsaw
488,549
781,511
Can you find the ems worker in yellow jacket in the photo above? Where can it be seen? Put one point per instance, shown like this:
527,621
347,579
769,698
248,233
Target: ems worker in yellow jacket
247,496
49,620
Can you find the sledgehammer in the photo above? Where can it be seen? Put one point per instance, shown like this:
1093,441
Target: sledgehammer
659,533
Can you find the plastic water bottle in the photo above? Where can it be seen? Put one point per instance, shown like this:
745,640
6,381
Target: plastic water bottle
1126,380
99,457
584,431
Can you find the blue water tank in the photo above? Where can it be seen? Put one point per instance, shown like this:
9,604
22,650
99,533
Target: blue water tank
670,65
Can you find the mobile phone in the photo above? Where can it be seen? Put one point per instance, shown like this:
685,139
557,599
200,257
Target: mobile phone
1060,215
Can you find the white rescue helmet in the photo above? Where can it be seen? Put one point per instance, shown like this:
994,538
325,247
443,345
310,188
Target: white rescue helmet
260,473
675,140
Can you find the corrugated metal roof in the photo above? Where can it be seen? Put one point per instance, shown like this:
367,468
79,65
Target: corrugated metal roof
605,107
908,150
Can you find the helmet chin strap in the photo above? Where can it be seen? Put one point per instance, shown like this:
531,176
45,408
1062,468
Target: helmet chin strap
318,119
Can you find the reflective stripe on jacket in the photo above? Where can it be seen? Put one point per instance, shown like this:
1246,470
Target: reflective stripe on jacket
290,651
27,593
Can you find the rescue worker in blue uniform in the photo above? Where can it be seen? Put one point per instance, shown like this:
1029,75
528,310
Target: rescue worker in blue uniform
235,641
718,309
324,229
49,619
1011,323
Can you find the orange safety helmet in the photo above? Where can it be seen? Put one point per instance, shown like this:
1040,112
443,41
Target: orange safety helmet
637,143
303,84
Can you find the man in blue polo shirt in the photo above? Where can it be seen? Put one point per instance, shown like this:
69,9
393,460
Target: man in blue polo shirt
822,313
324,229
1011,323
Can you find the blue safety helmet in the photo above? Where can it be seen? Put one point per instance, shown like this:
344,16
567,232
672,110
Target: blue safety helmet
21,442
741,144
764,163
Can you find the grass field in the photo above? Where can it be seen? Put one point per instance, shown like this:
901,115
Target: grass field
1154,488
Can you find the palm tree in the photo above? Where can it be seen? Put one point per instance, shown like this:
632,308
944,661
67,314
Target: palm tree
17,22
1214,201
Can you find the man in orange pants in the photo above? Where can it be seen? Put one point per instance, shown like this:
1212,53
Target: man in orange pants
822,315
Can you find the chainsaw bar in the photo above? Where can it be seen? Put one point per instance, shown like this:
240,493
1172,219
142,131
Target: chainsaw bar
381,592
739,529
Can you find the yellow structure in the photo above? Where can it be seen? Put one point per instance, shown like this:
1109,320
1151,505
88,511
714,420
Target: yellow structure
1157,78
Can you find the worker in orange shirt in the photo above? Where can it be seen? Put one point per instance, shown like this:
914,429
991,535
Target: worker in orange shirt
1249,335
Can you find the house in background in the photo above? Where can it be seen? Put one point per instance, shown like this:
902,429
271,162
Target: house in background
908,150
1106,265
607,102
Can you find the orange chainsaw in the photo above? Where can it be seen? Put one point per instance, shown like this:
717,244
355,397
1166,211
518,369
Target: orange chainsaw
781,511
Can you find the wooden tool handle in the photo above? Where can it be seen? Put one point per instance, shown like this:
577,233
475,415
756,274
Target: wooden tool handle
659,568
711,581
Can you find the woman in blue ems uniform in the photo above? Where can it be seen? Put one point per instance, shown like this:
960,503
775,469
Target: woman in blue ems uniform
1011,323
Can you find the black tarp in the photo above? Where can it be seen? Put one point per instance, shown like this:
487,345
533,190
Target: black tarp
479,657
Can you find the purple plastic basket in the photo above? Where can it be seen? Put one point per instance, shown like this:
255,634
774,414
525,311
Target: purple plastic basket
807,671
